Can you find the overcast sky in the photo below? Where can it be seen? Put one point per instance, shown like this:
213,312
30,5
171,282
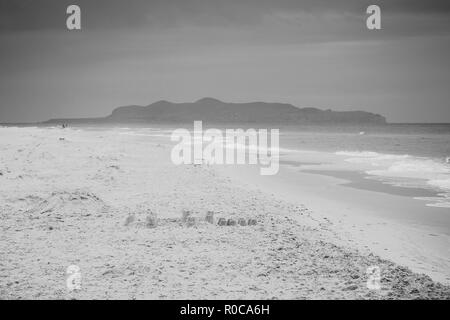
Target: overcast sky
308,53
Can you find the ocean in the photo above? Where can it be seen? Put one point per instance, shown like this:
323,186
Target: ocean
404,155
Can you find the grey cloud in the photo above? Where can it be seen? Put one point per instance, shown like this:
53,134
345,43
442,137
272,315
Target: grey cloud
305,52
19,15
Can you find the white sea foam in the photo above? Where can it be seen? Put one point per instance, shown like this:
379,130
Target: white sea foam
442,184
439,202
371,157
429,173
414,168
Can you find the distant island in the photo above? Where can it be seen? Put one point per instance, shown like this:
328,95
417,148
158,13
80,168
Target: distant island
214,111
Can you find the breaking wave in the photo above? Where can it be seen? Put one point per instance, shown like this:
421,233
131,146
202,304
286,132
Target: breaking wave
432,173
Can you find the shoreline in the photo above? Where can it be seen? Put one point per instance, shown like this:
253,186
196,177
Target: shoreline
363,219
68,196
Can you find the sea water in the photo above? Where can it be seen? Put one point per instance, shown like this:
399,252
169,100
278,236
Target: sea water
415,155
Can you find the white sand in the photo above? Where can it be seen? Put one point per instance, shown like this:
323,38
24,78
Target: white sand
65,202
361,219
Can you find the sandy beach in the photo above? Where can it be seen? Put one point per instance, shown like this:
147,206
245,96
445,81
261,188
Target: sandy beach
84,198
368,214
